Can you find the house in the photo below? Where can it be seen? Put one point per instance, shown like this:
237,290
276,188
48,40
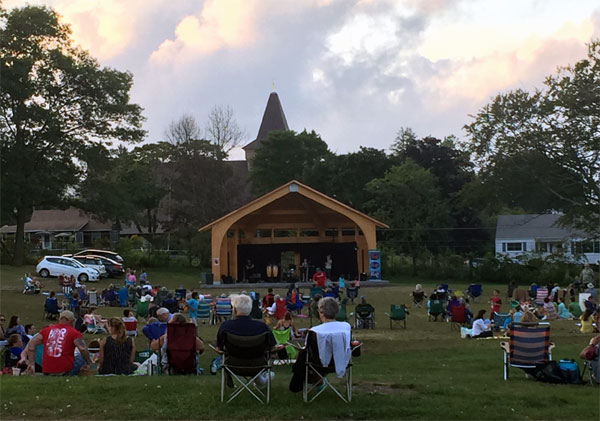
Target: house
47,228
519,235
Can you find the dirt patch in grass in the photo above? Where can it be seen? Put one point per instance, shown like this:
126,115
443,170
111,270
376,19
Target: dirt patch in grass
382,388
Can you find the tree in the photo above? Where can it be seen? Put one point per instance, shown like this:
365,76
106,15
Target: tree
287,155
54,100
223,131
183,131
560,126
408,199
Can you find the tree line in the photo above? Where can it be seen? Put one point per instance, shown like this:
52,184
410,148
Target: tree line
71,136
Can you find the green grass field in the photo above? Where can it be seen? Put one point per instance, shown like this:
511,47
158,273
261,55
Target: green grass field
423,372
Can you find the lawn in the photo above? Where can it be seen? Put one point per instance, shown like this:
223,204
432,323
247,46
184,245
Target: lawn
423,372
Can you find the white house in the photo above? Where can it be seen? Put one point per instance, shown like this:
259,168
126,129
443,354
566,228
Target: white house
518,235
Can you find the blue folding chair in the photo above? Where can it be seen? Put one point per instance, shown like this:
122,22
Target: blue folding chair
474,291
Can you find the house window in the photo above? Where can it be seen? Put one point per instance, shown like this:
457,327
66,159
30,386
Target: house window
581,247
309,233
513,247
331,232
347,232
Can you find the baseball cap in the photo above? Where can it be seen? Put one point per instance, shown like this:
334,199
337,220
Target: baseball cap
67,315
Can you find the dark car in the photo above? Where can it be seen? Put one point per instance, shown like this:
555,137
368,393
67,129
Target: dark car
95,252
113,268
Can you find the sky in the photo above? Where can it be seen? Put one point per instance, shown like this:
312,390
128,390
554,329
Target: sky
354,71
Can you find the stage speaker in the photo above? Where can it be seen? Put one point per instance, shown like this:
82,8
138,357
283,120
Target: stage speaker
375,264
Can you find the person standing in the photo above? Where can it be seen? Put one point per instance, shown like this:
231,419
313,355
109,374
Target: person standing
192,304
586,276
328,266
60,341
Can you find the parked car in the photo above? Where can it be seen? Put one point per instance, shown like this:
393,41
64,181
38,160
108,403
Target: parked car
104,253
58,265
93,262
113,268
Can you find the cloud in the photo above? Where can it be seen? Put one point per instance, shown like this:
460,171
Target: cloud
220,24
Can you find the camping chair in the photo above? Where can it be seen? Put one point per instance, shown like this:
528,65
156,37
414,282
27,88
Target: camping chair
130,325
123,296
397,312
342,316
141,309
593,366
29,287
315,290
529,345
313,311
364,316
500,319
436,308
283,337
203,312
418,297
51,311
245,359
223,309
93,299
180,294
458,317
474,291
181,348
256,313
131,297
92,327
352,293
540,294
161,295
316,370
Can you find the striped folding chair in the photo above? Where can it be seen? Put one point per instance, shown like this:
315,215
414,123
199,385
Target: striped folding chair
528,346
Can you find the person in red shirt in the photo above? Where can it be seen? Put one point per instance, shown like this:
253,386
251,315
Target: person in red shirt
60,341
496,302
319,278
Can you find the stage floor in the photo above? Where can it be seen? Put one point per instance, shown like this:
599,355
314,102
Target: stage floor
248,286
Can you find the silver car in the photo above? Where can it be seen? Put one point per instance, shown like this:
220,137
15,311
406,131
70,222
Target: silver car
60,265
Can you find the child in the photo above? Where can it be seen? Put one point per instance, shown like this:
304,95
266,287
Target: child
586,322
496,302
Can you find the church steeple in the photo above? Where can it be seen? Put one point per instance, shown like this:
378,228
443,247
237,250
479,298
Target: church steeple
273,119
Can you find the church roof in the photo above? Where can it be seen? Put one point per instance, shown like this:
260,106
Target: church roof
273,119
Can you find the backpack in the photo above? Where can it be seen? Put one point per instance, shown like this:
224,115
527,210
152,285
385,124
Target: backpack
570,371
547,372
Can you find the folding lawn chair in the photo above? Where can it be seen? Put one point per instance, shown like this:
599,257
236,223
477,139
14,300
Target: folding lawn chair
593,366
342,316
397,313
315,375
92,327
500,319
246,360
436,308
364,316
528,346
181,348
540,294
161,295
283,337
458,317
93,299
316,290
130,325
418,297
256,313
474,291
51,311
203,312
352,293
123,294
223,309
141,309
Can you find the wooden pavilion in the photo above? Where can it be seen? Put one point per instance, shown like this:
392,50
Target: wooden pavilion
294,228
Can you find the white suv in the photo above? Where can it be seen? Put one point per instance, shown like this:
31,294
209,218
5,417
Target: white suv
59,265
92,262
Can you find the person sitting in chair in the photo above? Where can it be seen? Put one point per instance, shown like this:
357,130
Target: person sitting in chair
117,351
51,306
92,318
161,343
328,308
242,324
418,295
